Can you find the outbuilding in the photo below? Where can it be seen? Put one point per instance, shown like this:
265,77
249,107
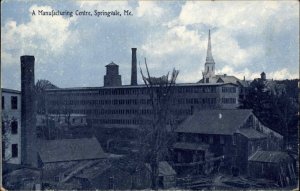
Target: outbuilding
273,165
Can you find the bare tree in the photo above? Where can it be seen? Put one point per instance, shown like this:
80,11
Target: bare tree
156,134
40,87
6,132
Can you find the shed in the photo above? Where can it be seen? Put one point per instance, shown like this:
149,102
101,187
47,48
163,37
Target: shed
22,178
113,176
167,175
274,165
60,159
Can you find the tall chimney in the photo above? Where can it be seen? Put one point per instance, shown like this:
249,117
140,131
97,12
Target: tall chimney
133,68
28,113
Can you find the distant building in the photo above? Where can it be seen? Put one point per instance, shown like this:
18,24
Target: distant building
62,126
112,77
11,126
270,85
227,135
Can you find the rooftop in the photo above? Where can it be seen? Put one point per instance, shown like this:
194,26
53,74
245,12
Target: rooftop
130,86
70,150
270,157
10,91
218,121
222,79
112,64
251,133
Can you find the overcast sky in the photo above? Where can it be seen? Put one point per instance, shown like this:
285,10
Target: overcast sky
247,38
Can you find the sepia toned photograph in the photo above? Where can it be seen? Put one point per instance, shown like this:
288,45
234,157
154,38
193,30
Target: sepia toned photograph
149,95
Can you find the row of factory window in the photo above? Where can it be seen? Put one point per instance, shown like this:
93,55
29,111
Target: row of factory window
228,100
139,91
119,121
229,89
13,102
136,101
119,111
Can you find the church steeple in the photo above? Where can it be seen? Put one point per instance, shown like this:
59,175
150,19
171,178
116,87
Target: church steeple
209,57
209,70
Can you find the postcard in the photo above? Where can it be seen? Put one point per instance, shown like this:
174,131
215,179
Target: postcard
135,95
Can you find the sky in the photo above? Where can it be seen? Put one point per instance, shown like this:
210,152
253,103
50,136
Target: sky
248,37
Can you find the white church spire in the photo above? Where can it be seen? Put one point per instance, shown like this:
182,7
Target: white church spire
209,70
209,57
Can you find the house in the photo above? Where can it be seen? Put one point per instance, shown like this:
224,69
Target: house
60,159
225,137
274,165
11,125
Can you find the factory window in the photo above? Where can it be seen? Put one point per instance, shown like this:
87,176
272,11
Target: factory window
228,100
3,104
179,90
228,89
14,102
213,89
222,141
111,182
14,127
234,140
14,150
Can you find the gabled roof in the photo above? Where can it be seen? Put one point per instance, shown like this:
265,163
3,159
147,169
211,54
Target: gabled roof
222,79
244,83
224,122
70,150
251,133
75,89
270,157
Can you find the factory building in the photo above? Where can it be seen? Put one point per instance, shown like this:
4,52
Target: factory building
127,106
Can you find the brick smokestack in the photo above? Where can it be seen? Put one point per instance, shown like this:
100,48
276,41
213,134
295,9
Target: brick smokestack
133,68
28,113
